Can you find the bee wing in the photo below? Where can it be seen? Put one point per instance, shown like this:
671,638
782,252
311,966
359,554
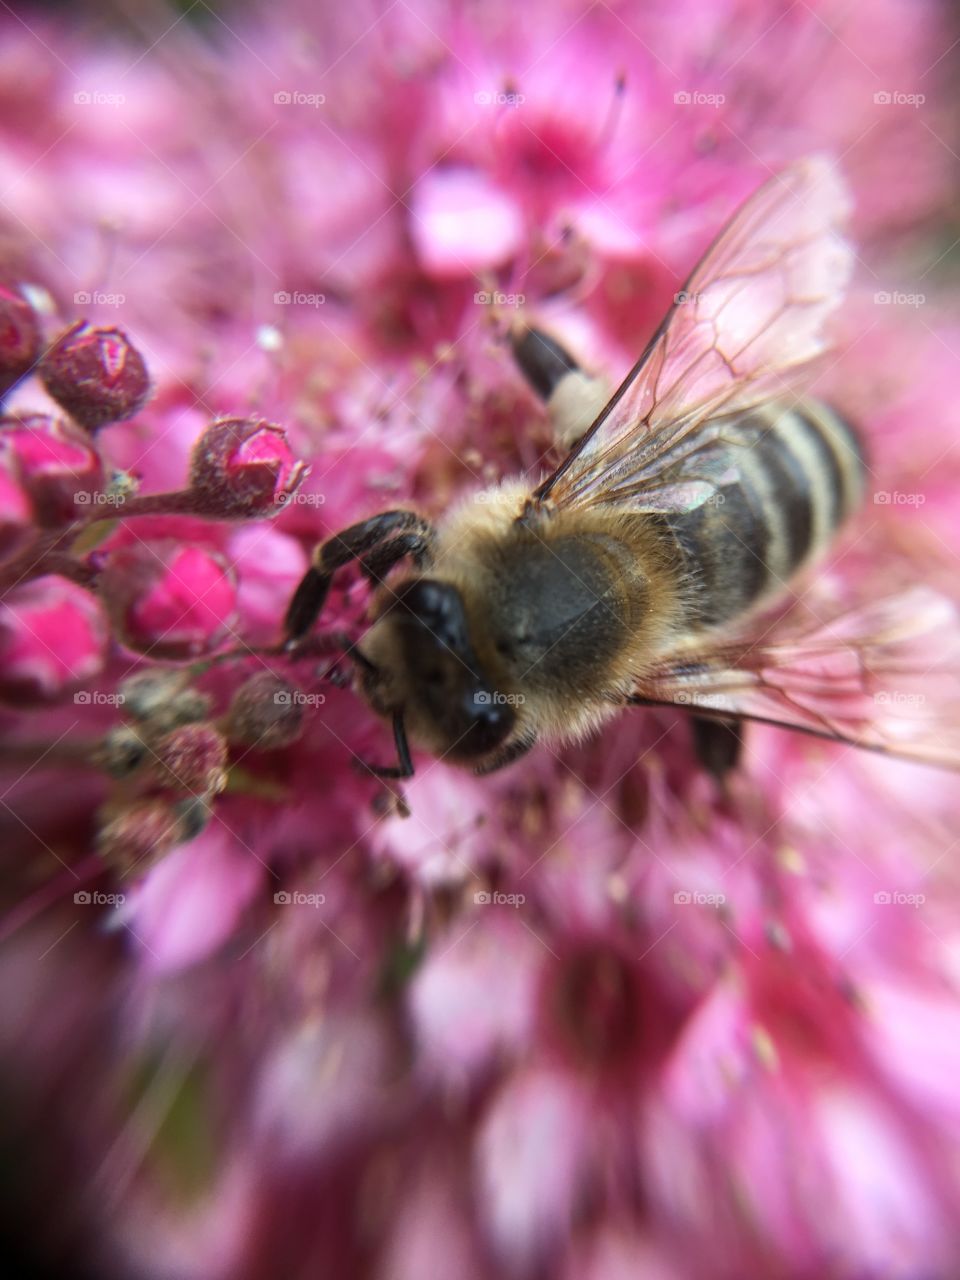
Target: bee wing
885,676
750,317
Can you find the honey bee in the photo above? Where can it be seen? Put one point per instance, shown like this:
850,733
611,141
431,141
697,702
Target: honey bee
649,567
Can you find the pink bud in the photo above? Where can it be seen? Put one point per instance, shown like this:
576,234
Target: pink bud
53,638
16,514
265,713
169,600
58,466
19,337
96,374
192,758
244,467
162,699
136,835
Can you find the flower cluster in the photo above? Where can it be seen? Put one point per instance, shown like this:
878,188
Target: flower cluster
592,1016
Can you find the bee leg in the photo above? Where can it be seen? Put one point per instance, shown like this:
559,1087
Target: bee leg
376,564
404,767
573,397
506,755
352,544
717,743
542,361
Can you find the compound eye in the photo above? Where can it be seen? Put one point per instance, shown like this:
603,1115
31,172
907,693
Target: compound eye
438,609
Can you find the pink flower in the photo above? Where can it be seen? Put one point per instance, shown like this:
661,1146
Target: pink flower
168,600
53,640
591,1017
56,463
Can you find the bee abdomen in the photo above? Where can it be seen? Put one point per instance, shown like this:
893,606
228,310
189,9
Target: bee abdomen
797,473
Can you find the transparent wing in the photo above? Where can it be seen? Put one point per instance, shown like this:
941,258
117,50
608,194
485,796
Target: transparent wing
750,317
885,676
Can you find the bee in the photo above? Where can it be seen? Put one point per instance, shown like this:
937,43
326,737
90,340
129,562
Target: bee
652,566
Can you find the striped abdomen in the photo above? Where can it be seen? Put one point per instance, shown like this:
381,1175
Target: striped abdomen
791,475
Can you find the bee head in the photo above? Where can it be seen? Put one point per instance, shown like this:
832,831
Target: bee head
426,654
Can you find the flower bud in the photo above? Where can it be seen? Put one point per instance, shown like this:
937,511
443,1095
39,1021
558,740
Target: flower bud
134,836
20,337
192,758
265,714
96,374
57,464
163,699
121,751
169,600
243,467
53,638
